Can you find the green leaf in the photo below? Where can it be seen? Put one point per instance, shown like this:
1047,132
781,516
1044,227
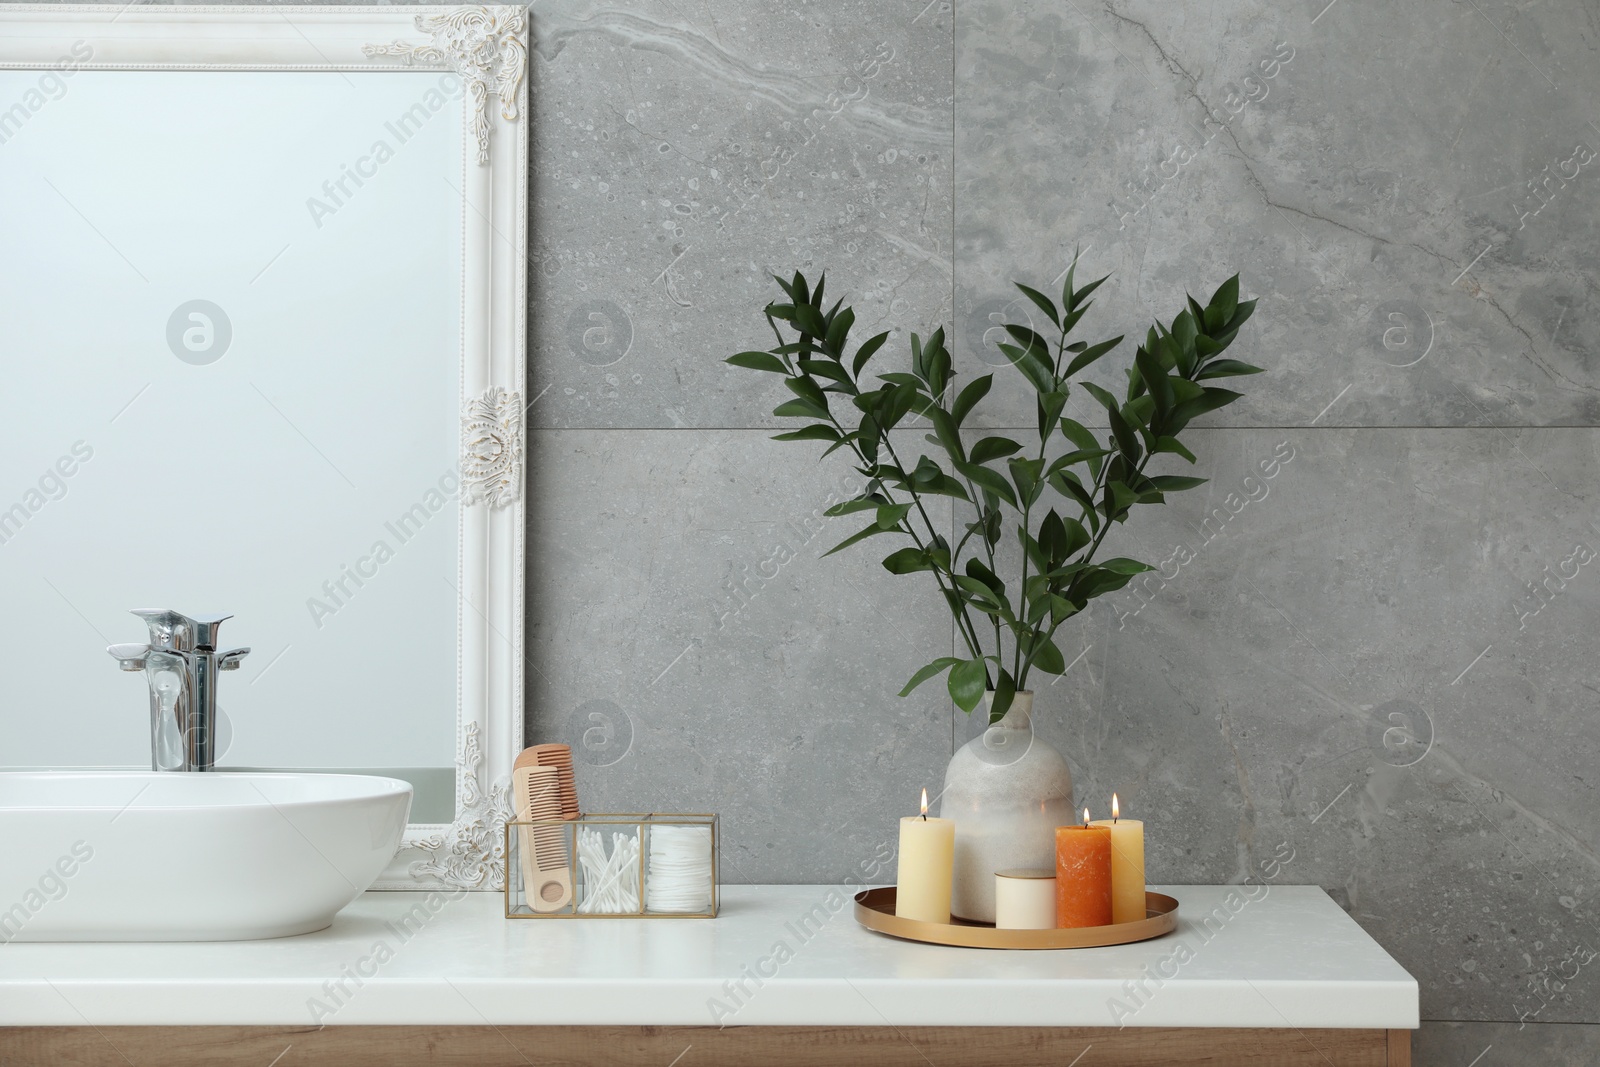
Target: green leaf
1183,389
1155,379
1033,367
1173,483
944,427
1066,286
1079,434
824,368
968,679
809,320
1210,400
1077,537
889,515
980,594
758,361
1061,609
1026,475
975,391
853,538
865,352
839,329
1089,355
976,569
1172,444
1080,455
1083,294
896,402
1044,654
1225,301
943,663
992,448
1124,565
1226,368
1127,440
807,389
1184,329
1107,401
1067,484
927,471
1029,339
1053,538
817,431
1098,581
943,485
987,479
1119,498
1050,405
802,408
1043,302
849,506
907,561
1005,691
1070,319
1033,550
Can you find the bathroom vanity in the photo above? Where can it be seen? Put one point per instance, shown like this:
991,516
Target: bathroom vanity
784,977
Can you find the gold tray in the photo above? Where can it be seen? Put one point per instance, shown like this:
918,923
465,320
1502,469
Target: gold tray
875,911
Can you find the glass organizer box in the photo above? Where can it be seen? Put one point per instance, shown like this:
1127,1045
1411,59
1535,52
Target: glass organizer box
612,867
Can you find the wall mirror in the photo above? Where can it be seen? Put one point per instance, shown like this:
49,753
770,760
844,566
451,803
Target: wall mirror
262,300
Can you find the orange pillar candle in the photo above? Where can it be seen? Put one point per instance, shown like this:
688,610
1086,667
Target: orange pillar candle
1083,875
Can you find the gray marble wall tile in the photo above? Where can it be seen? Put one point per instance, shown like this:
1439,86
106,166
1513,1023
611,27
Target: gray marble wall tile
684,154
1503,1044
1344,657
1352,166
690,645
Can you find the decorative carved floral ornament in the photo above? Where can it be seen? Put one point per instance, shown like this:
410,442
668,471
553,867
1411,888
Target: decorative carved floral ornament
491,448
484,46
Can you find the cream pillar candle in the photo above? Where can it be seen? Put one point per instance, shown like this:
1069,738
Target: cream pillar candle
927,862
1127,866
1025,899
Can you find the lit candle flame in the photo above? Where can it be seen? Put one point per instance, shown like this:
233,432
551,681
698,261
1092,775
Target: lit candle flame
1086,816
924,802
1113,807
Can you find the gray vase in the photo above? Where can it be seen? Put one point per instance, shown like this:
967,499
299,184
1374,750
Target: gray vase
1007,791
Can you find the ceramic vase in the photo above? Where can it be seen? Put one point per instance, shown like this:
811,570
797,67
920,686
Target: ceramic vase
1007,791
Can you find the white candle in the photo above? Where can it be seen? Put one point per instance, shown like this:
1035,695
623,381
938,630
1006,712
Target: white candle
1127,866
927,864
1025,899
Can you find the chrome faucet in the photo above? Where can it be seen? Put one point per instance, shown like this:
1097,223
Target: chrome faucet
180,663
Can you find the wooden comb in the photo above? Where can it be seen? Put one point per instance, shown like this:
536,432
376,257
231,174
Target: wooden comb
559,757
546,864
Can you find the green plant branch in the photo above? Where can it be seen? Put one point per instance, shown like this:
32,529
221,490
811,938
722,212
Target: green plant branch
963,622
1167,389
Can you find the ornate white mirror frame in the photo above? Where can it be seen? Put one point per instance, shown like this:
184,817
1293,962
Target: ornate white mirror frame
487,48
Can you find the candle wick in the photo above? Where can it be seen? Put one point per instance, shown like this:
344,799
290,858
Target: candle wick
924,816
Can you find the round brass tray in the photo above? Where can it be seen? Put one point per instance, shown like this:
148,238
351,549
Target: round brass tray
875,911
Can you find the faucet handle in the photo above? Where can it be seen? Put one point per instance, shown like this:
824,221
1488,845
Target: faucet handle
130,657
174,631
230,660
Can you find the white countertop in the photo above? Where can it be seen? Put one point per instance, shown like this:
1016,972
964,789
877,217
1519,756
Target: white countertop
1290,958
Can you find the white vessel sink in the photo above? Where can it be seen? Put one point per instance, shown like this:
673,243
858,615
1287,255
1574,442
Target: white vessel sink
168,856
